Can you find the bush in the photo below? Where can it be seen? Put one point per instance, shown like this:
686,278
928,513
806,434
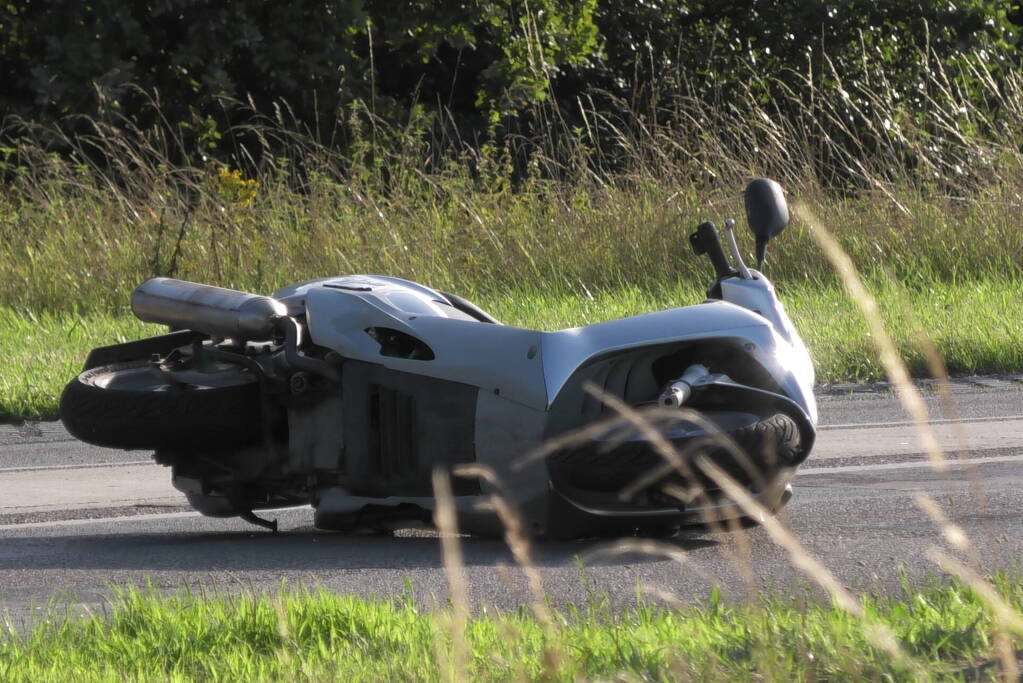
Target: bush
60,59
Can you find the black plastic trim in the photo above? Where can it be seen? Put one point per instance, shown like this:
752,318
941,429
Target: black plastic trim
141,348
470,309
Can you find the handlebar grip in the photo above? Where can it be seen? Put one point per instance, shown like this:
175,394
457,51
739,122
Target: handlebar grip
706,241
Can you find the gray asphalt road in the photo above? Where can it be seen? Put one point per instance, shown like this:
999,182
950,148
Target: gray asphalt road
111,519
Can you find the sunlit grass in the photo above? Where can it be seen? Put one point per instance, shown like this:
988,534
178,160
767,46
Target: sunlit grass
297,635
40,352
66,250
976,327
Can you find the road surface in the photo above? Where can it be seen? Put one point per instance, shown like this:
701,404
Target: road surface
76,521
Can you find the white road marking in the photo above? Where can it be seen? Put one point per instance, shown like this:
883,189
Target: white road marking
76,488
98,520
878,440
910,423
75,467
952,463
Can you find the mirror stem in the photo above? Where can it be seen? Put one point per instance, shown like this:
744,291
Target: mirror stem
761,251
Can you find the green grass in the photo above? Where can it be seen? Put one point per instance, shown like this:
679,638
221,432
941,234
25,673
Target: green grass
41,352
976,326
297,635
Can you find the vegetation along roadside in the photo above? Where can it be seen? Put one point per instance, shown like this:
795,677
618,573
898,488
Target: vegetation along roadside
945,632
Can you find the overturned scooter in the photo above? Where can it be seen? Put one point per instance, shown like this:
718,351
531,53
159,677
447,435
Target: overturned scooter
346,393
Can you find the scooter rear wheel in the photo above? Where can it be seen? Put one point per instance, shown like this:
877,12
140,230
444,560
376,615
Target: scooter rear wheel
134,405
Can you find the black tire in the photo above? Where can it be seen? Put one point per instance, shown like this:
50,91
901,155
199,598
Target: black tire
594,468
165,417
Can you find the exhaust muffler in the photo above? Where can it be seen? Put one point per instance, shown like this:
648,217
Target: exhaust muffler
216,311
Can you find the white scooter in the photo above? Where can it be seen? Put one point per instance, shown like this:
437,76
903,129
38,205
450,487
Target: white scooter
346,394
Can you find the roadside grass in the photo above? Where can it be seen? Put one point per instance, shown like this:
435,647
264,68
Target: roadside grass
74,245
40,352
976,326
946,629
601,209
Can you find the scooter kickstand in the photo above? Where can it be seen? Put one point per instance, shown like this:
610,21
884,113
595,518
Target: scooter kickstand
251,518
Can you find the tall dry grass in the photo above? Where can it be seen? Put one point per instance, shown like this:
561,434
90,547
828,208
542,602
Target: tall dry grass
574,208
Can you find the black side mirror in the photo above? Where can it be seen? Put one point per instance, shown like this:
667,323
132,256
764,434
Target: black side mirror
766,212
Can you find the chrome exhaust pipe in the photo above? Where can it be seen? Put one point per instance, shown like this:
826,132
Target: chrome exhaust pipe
216,311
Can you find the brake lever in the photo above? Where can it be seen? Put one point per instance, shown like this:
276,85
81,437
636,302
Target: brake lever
734,246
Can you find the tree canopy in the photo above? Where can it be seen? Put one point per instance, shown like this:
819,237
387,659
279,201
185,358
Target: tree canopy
477,60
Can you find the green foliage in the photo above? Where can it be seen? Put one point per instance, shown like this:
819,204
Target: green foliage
185,65
791,59
706,40
190,56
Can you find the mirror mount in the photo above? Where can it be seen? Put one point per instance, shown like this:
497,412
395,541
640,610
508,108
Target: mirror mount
766,212
761,251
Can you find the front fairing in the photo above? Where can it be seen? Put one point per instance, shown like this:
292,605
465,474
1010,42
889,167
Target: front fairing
520,387
791,356
773,345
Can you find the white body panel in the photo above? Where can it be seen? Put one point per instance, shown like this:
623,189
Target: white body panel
531,367
496,358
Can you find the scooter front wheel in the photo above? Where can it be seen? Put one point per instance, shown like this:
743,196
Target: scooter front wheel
608,464
136,405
